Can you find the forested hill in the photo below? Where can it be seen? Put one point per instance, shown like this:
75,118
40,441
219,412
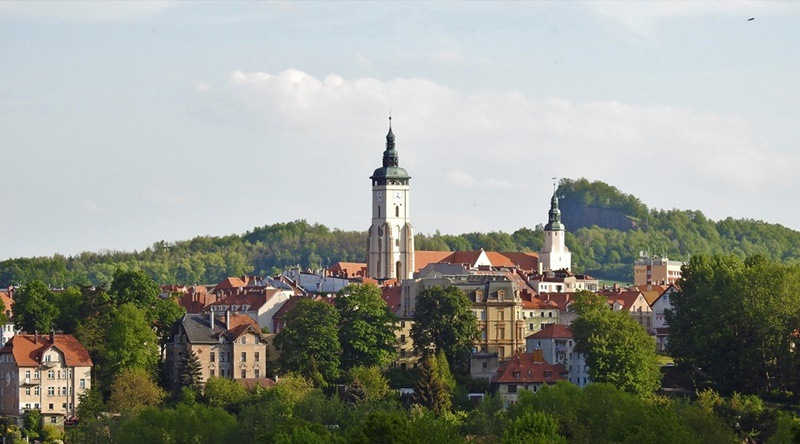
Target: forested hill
606,253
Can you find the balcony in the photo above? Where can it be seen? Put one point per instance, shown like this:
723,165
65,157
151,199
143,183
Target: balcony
28,381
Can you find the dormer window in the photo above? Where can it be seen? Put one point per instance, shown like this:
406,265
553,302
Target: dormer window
516,374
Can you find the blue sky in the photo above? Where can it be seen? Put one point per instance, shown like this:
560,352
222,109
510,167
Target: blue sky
125,123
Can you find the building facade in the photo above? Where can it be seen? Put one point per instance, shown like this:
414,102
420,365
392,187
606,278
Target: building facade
228,346
48,373
390,244
656,270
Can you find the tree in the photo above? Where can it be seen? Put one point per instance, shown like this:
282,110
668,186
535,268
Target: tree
32,423
223,392
134,286
370,381
191,372
165,312
538,427
34,308
433,389
366,327
131,343
618,349
737,320
134,388
443,320
309,343
90,404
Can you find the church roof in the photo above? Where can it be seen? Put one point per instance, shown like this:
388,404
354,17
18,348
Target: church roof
391,161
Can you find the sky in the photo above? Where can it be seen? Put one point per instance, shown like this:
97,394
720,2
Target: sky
126,123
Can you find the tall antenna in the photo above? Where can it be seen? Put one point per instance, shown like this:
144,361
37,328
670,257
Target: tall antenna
555,186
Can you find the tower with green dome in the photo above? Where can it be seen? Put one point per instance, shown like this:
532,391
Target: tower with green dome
554,255
390,244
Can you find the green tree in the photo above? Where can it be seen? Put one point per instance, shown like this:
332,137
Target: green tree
538,427
165,312
191,372
132,389
32,423
91,404
134,286
223,392
130,343
366,327
309,343
443,320
432,389
737,320
618,349
34,308
68,303
370,380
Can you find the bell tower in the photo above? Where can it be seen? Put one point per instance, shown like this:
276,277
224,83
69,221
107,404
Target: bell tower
554,255
390,244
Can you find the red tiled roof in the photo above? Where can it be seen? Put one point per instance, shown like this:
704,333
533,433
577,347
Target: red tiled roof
349,269
288,305
552,331
229,282
525,261
255,299
529,368
625,297
391,295
240,323
8,303
423,258
28,349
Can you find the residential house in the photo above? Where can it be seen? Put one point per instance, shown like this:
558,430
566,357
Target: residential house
44,372
656,270
526,371
557,346
228,345
660,324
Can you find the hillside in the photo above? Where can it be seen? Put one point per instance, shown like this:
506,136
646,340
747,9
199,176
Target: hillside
607,229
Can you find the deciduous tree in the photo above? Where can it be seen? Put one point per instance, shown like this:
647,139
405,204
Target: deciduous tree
34,308
618,349
366,327
309,343
443,320
134,388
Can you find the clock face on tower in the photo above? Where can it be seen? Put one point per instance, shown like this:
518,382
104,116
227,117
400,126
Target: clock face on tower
379,196
398,197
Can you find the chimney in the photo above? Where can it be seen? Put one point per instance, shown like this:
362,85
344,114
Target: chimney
36,336
52,336
537,355
228,319
211,316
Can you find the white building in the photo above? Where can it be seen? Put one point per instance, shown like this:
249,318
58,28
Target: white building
558,347
554,255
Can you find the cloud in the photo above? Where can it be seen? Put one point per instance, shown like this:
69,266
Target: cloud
161,198
82,11
464,180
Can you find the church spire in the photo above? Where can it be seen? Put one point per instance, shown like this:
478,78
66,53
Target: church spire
554,216
390,157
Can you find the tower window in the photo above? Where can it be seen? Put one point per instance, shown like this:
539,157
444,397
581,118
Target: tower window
396,211
379,211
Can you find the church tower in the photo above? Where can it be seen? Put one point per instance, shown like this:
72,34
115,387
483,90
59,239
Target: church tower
390,244
554,254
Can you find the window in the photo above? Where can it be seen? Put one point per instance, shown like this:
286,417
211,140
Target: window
402,353
27,391
53,419
244,339
244,356
50,406
27,374
550,314
36,374
502,315
512,388
213,356
502,333
485,365
244,373
51,374
256,373
257,357
483,315
47,358
402,339
82,383
516,374
211,372
36,391
51,391
402,324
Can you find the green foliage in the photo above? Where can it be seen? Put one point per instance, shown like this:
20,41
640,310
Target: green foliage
536,427
165,312
183,424
366,327
34,308
737,320
90,404
443,320
51,434
191,372
132,389
435,385
134,286
370,380
618,350
130,343
309,343
32,424
223,392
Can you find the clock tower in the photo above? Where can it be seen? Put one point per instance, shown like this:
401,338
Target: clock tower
390,244
554,255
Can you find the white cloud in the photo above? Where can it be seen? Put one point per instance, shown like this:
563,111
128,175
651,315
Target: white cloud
162,198
504,141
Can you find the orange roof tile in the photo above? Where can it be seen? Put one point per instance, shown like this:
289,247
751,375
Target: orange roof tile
529,368
552,331
28,349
